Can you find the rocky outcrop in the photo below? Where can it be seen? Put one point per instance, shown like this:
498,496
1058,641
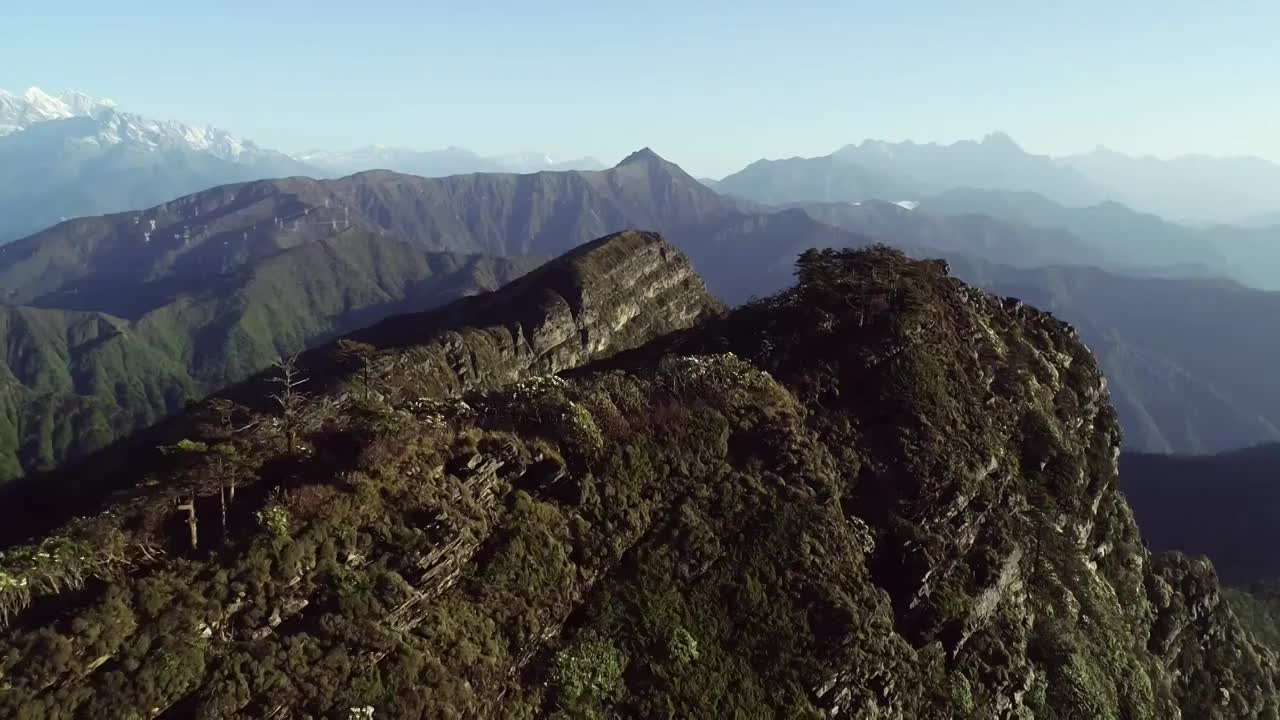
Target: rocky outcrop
605,297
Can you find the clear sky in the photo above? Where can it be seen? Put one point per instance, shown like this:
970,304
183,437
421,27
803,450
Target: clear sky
710,85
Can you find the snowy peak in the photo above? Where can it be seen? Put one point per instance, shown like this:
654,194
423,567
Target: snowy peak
113,127
18,112
80,104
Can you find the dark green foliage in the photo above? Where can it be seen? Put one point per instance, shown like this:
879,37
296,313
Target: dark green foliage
587,676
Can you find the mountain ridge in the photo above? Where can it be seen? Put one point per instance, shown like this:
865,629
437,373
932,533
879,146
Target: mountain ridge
879,492
876,169
743,249
1191,187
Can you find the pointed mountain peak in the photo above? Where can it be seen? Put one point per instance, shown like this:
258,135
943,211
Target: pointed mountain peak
652,162
36,95
644,155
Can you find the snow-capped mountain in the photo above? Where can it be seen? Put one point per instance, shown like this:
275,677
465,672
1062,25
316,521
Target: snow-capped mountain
19,112
70,154
438,163
113,127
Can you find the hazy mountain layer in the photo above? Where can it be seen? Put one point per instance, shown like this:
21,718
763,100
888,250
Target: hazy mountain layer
1195,188
495,214
877,170
1134,242
1182,381
1008,240
438,163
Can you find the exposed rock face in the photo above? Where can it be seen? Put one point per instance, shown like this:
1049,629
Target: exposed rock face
881,494
607,296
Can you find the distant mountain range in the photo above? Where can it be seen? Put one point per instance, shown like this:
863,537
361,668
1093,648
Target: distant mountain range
1130,241
129,263
375,242
1196,188
1199,189
438,163
907,171
996,179
71,155
353,249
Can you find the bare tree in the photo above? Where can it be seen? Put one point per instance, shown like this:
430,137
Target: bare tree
289,398
189,453
190,507
226,470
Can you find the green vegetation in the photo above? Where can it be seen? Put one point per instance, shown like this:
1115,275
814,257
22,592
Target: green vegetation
1259,611
588,675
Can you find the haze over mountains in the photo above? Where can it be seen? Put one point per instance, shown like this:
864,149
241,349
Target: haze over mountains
192,288
1195,188
907,171
180,287
437,163
873,472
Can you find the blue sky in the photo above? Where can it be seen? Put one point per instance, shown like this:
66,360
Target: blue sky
711,85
